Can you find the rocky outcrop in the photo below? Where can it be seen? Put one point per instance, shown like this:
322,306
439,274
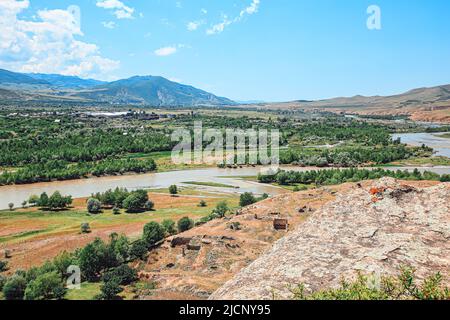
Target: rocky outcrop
375,229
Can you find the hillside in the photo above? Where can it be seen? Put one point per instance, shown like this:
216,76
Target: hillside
427,104
156,91
372,230
148,90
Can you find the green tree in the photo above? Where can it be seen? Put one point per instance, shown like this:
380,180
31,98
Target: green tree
85,228
149,205
169,226
173,190
221,209
3,266
138,250
136,201
184,224
153,232
124,275
94,258
247,199
11,206
57,201
43,200
202,203
14,288
110,290
116,211
33,200
94,206
47,286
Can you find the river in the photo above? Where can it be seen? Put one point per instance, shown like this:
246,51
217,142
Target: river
440,144
85,187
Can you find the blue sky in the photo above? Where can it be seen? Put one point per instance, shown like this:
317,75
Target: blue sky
272,50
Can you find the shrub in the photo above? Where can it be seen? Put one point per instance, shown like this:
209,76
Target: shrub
3,266
202,204
14,288
221,209
138,250
11,206
402,287
247,199
116,211
24,204
33,200
153,232
43,200
110,290
3,280
94,206
85,228
45,287
184,224
57,201
173,189
136,201
94,258
169,226
149,205
123,274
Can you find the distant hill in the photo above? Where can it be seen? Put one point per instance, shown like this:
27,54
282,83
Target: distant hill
156,91
67,82
147,90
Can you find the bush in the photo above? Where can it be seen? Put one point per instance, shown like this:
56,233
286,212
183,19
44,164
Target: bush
169,226
221,209
3,265
110,290
47,286
14,288
184,224
123,274
3,280
136,201
153,232
43,200
85,228
116,211
149,205
138,250
94,206
402,287
173,189
202,204
33,200
11,206
247,199
96,257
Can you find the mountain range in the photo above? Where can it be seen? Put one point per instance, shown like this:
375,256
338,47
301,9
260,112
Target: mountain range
146,90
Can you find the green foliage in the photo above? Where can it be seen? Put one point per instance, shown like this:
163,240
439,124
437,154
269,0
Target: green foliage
221,209
138,250
110,290
45,287
3,280
3,265
55,202
247,199
11,205
33,199
94,206
149,205
402,287
116,211
169,226
184,224
136,201
173,190
203,204
339,176
95,258
120,246
153,233
123,275
85,228
14,288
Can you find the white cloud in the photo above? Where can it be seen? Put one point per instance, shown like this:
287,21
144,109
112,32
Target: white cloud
109,24
194,25
204,11
121,11
220,27
165,51
48,44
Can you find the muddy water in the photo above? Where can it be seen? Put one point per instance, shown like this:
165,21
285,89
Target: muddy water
83,188
440,144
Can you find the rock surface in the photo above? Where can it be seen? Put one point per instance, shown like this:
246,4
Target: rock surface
374,230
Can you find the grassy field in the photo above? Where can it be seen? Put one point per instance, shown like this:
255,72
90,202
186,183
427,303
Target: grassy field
432,161
36,235
88,291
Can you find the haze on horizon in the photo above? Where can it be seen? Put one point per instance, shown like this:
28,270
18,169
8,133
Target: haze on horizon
243,49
